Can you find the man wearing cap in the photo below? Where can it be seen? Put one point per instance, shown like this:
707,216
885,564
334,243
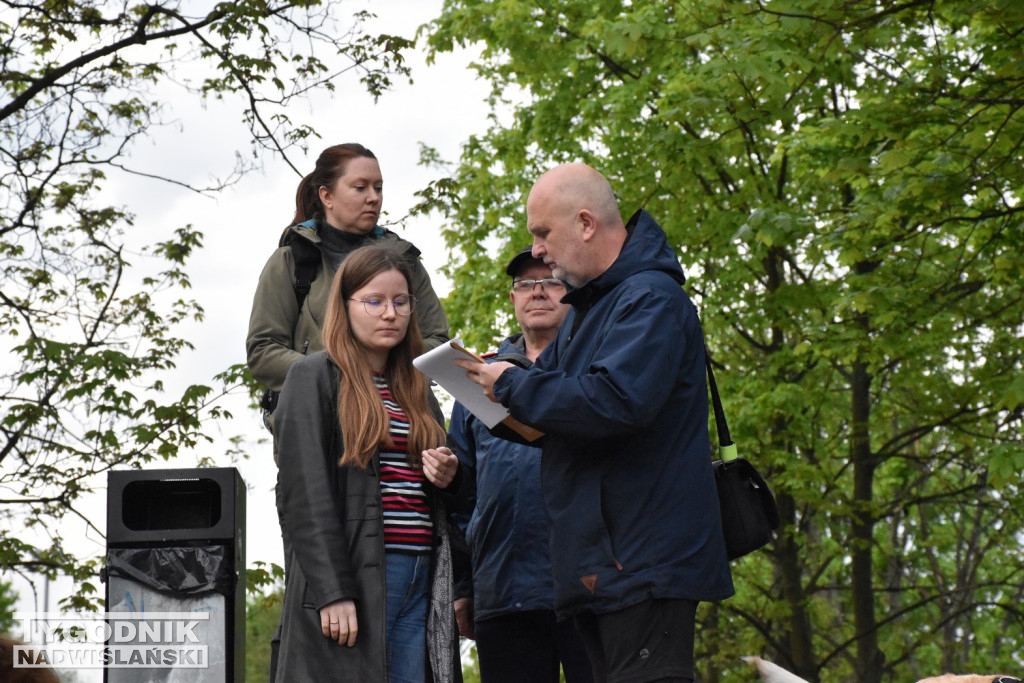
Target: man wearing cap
511,612
621,396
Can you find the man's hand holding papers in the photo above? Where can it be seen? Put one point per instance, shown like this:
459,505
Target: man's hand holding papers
470,380
484,374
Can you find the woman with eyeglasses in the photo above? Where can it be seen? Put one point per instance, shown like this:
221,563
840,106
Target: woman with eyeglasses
362,477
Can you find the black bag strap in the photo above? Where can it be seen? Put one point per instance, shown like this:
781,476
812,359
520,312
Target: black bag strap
726,448
307,265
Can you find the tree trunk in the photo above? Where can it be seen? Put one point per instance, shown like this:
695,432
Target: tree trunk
869,658
801,649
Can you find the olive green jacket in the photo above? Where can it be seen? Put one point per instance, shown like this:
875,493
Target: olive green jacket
280,333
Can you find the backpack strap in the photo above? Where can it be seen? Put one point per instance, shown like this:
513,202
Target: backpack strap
307,265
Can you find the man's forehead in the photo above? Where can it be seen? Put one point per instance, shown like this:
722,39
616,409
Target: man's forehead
539,204
539,222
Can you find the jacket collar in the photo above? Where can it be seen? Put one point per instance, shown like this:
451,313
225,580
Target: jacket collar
513,350
311,229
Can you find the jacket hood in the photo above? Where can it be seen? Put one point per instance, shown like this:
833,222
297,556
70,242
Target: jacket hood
309,231
645,248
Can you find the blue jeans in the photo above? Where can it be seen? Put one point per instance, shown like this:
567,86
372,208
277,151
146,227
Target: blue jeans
408,587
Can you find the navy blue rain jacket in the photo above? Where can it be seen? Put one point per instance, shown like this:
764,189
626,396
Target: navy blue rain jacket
622,397
508,531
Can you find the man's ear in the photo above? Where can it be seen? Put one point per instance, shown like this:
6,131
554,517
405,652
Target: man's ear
587,224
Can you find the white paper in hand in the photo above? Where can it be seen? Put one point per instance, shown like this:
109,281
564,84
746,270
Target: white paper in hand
439,365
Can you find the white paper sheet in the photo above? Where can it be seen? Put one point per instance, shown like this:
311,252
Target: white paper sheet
439,365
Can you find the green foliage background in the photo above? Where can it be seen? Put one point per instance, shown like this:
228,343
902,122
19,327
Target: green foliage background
263,611
8,600
841,179
842,182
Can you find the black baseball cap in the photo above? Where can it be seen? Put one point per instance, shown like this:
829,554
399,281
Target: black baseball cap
518,261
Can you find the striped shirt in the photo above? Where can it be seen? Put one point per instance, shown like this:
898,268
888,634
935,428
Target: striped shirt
407,525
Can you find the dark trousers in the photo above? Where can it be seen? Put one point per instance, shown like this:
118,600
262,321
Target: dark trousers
528,646
647,642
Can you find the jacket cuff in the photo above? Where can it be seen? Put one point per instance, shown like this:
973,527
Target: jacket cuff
503,385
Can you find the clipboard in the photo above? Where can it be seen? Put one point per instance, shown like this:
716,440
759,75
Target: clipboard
439,365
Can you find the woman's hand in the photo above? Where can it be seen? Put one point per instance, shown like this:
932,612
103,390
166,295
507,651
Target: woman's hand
440,466
338,622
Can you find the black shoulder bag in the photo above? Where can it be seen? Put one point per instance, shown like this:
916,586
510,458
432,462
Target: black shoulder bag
749,513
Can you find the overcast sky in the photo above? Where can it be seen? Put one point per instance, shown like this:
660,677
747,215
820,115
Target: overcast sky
442,108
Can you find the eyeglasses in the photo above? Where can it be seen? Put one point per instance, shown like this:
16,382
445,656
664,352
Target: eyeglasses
526,286
376,305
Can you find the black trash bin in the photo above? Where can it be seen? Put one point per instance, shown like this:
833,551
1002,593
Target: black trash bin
176,572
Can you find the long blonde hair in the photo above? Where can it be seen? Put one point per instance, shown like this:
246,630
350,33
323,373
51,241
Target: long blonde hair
364,421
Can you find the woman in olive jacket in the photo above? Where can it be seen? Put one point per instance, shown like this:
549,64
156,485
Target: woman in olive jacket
345,418
337,207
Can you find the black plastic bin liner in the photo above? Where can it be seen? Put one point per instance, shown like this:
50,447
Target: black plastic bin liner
183,570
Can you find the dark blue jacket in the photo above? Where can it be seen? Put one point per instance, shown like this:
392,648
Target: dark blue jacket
507,531
622,397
